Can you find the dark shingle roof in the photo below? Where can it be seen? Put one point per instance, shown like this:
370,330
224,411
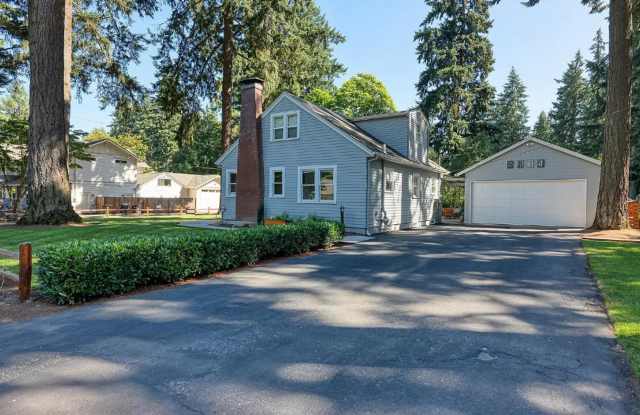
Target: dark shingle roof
361,136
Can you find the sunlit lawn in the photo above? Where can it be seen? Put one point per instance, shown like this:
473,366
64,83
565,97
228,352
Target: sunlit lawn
617,268
92,228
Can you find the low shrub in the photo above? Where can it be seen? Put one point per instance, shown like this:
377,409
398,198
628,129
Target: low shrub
77,271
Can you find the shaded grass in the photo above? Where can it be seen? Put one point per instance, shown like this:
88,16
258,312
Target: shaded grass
92,228
616,265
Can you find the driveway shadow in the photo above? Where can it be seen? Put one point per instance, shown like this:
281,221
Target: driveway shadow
444,321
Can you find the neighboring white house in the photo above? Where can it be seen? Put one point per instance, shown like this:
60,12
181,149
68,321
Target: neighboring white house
115,171
203,189
112,172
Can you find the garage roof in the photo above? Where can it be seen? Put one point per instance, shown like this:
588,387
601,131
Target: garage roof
525,141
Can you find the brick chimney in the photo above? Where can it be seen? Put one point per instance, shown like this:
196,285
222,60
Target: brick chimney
249,189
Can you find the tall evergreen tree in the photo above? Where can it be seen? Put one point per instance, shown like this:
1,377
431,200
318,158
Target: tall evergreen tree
511,113
56,49
208,45
567,113
595,105
542,129
454,46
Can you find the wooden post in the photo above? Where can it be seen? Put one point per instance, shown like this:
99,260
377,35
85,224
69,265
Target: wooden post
147,210
24,283
107,210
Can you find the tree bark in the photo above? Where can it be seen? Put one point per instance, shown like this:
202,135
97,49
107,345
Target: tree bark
611,212
227,72
49,189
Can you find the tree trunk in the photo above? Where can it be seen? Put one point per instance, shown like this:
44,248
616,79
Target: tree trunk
227,73
611,212
49,195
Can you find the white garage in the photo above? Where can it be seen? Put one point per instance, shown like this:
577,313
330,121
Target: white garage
532,183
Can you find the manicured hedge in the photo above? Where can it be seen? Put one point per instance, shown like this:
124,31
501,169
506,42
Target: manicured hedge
77,271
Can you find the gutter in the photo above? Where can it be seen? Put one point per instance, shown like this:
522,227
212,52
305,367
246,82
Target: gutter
409,163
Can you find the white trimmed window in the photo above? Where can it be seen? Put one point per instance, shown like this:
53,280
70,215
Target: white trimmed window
276,181
434,186
317,184
415,186
389,182
232,178
285,126
164,182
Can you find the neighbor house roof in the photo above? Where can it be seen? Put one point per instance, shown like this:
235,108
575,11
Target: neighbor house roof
113,143
190,181
523,142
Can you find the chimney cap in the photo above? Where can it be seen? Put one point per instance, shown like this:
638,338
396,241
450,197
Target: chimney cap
252,80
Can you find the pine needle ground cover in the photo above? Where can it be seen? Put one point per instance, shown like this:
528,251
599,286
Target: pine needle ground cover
616,266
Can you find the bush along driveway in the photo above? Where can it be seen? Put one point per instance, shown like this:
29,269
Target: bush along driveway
450,321
616,265
81,270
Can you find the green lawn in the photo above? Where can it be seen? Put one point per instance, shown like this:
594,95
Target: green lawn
617,268
92,228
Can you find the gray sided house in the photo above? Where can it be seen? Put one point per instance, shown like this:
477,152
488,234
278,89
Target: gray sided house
300,159
532,182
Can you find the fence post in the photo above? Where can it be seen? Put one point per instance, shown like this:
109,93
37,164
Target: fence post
107,210
24,282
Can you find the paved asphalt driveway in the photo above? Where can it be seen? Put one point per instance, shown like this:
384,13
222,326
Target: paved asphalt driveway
450,321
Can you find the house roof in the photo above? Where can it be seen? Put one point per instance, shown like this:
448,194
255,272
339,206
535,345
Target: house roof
394,114
114,144
525,141
191,181
371,145
14,151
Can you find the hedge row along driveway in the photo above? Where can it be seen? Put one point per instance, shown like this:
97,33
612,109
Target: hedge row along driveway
78,271
92,228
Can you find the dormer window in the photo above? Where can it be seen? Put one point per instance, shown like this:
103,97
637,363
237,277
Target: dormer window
164,182
285,126
118,161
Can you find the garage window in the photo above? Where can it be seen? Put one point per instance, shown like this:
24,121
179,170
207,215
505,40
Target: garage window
541,163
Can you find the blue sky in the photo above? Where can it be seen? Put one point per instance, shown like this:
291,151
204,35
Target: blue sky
539,42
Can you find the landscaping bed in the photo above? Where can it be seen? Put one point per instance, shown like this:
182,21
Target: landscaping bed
78,271
616,266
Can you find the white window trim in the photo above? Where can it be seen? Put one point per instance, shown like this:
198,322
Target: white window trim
285,123
317,183
271,182
389,176
227,191
415,192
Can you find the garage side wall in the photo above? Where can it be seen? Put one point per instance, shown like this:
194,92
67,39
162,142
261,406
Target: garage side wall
557,166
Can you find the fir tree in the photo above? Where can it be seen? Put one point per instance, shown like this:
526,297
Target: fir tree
595,105
454,46
511,113
566,115
207,46
542,129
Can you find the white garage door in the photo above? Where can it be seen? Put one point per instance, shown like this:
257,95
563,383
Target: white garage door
207,200
543,202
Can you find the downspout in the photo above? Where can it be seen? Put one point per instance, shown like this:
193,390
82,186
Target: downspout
366,199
